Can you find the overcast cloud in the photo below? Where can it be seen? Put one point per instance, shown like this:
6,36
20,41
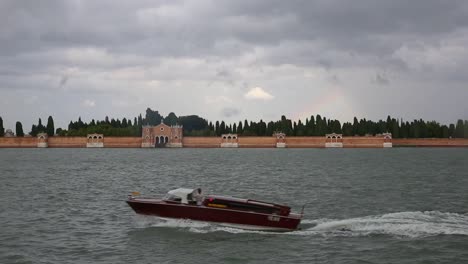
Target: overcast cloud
233,60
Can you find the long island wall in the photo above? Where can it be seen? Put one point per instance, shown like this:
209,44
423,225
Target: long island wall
230,141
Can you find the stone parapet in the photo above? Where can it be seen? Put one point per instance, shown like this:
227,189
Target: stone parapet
95,141
333,144
229,141
174,145
280,144
42,140
229,145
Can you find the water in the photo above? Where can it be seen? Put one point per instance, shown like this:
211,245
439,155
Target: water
363,205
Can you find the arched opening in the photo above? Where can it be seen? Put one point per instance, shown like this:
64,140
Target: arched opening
166,139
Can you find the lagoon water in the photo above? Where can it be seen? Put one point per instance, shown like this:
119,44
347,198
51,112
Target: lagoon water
405,205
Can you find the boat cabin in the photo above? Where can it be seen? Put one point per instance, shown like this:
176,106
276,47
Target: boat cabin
180,195
186,196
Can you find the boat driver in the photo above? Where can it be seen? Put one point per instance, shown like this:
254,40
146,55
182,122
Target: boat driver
198,196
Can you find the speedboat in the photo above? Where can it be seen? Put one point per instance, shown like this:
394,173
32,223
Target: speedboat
225,210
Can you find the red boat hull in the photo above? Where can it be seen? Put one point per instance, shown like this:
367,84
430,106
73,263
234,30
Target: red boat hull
250,220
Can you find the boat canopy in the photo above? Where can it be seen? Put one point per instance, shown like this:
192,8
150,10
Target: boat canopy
184,195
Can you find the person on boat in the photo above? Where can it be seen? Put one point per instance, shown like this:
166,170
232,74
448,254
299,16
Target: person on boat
198,196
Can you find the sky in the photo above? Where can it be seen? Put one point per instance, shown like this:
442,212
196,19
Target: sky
233,60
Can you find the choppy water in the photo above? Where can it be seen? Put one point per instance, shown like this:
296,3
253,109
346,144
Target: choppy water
363,205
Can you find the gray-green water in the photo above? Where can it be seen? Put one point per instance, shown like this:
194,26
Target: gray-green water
364,205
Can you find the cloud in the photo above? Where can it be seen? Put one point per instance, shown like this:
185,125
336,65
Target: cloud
63,81
195,57
89,103
381,79
258,93
230,112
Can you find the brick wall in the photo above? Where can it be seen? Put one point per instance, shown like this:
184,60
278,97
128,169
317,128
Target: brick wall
122,142
363,142
201,142
67,142
305,142
430,142
257,142
18,142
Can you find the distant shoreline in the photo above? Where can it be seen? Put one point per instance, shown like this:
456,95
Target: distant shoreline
240,142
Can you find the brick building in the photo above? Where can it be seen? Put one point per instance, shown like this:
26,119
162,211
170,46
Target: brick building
161,135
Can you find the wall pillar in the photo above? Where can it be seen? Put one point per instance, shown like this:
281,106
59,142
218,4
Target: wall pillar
229,141
334,140
387,140
95,141
280,139
42,140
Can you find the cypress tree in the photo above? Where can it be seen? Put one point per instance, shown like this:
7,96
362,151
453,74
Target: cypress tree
459,130
50,126
2,129
218,132
445,131
451,130
466,128
246,127
40,127
355,126
19,129
222,127
33,131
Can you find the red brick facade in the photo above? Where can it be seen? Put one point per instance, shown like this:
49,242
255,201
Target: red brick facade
162,135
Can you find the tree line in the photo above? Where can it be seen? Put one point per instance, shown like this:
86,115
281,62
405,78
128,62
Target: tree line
194,125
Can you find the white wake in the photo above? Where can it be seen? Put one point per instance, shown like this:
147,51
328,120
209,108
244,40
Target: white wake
401,224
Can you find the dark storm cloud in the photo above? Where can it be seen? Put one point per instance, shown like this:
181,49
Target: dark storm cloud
195,28
381,79
230,112
141,47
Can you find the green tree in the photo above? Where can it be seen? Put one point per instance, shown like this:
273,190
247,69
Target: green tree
466,128
355,126
153,118
2,129
222,128
171,119
459,129
445,131
40,127
239,128
50,126
34,131
193,122
19,129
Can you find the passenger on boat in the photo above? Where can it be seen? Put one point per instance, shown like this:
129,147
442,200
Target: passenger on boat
198,196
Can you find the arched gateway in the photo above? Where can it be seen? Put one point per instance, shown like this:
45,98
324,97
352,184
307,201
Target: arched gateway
161,135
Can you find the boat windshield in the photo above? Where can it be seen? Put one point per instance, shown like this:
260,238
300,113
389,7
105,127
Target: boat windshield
172,197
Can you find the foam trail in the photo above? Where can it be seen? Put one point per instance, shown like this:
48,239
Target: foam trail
401,224
408,224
